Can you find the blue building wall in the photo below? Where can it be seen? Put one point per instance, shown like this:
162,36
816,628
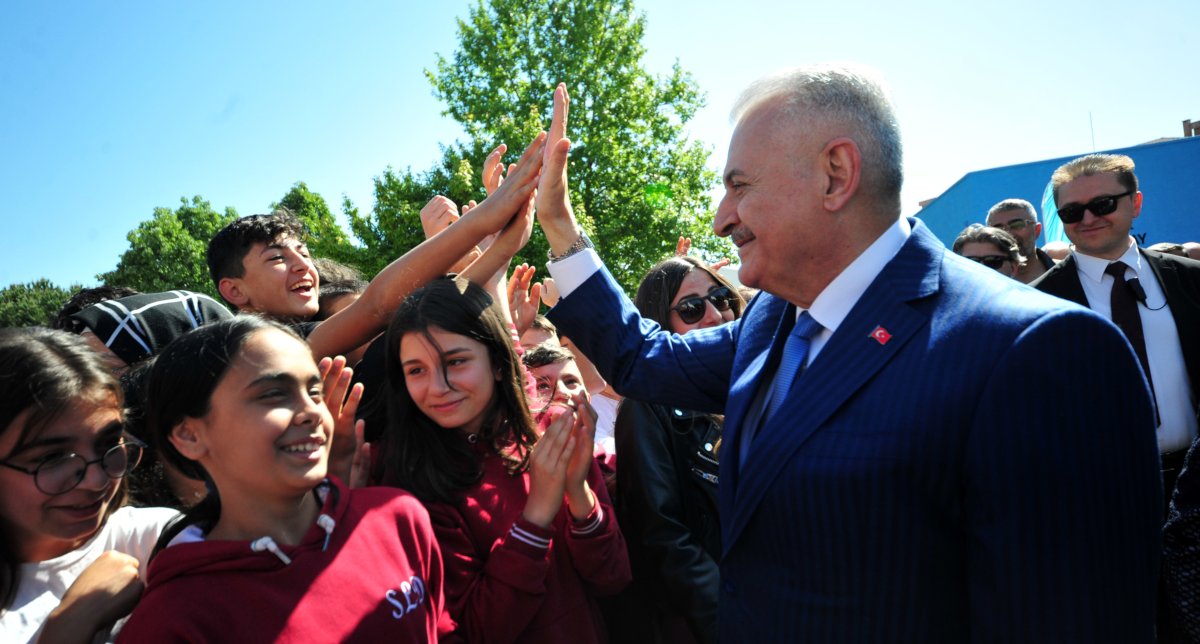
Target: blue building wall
1168,175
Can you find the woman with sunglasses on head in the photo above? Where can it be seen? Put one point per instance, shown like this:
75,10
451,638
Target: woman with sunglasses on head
70,555
667,477
277,550
991,247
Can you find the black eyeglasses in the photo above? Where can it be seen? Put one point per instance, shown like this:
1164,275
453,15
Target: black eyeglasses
1015,224
1100,206
62,474
691,309
993,262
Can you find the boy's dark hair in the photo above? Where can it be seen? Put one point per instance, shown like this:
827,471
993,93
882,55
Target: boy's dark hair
544,354
543,323
229,246
332,291
331,271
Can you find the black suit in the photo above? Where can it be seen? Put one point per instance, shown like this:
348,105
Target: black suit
1180,281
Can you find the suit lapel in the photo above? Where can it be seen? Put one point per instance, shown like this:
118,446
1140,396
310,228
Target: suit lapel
760,327
850,359
1063,281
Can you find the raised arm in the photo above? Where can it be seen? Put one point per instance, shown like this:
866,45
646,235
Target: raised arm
369,316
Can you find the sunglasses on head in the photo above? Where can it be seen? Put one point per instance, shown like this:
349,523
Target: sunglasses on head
691,309
993,262
1100,206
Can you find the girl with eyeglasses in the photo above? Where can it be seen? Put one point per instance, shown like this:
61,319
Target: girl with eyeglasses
70,555
667,476
277,550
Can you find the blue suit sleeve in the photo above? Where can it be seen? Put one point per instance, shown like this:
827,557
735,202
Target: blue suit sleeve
1063,499
637,357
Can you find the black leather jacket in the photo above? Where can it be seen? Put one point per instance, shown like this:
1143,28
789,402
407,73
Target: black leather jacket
666,504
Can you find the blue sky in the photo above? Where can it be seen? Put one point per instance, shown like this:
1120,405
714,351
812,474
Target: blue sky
112,109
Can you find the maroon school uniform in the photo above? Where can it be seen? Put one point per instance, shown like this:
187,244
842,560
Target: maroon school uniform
508,580
369,572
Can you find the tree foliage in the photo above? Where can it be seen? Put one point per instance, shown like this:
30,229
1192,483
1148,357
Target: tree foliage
327,238
32,304
167,251
637,182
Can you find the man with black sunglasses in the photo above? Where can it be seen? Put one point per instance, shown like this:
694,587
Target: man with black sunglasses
1018,218
1153,297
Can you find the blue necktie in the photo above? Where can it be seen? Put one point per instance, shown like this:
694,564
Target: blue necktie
794,353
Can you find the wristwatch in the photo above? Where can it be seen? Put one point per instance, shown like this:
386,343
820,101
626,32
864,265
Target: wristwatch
581,243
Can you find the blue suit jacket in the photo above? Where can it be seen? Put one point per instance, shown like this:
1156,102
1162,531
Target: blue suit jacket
918,487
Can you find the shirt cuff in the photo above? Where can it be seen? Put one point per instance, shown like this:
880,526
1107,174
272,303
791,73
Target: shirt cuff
571,272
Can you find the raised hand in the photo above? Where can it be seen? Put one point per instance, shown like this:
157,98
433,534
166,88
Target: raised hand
437,215
511,195
580,499
548,471
683,247
554,203
524,297
335,377
549,292
493,169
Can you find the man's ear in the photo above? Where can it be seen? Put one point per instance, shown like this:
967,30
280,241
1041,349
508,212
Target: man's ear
187,441
1137,203
841,162
231,289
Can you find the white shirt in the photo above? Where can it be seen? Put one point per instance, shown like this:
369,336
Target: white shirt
1168,372
829,308
42,584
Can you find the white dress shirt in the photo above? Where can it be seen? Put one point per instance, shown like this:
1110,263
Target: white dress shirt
1168,373
829,308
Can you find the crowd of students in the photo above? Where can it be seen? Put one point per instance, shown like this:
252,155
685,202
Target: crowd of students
177,471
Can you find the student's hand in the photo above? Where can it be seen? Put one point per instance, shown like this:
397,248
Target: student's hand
335,377
360,467
554,202
683,247
437,215
549,292
548,471
524,297
493,169
580,499
512,195
104,592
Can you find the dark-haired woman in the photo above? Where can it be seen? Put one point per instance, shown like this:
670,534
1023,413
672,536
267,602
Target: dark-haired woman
69,558
667,478
525,524
277,551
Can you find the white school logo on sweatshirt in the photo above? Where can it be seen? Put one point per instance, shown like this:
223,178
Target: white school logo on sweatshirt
410,596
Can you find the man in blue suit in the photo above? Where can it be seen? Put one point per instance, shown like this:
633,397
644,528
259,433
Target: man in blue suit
886,483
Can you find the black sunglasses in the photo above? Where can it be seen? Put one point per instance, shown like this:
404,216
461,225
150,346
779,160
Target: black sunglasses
993,262
691,309
1100,206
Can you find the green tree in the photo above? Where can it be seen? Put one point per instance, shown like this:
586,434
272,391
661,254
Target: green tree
167,251
637,182
393,226
327,239
32,304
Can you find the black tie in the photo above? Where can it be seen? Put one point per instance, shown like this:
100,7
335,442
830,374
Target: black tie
1126,316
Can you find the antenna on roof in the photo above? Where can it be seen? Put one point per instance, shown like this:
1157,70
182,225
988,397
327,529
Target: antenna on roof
1092,127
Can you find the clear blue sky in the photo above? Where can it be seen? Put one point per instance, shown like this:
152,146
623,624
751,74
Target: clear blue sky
111,109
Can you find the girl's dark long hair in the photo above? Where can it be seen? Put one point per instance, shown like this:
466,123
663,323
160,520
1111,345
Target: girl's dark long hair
181,385
662,282
46,372
436,463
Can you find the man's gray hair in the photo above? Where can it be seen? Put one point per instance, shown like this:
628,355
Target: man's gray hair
849,93
1013,204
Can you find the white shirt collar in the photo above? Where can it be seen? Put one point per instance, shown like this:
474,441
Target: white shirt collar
834,303
1093,267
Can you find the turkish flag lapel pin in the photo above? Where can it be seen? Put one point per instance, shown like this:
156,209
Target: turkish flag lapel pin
881,335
